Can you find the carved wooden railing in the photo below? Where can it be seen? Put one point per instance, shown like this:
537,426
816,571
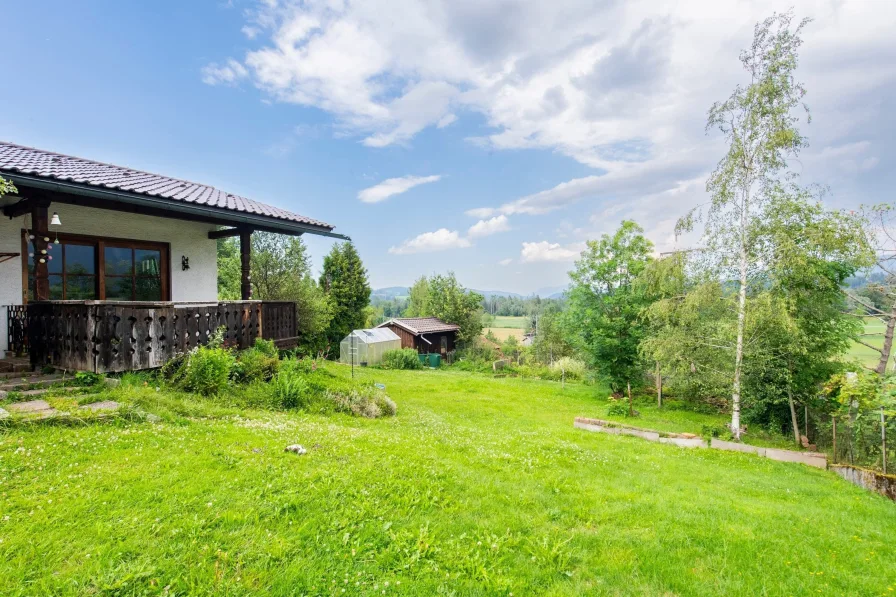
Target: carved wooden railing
105,336
16,329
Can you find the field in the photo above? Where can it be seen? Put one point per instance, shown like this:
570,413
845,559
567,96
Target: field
503,326
479,486
865,355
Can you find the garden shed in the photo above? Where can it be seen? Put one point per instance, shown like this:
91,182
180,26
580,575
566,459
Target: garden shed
366,347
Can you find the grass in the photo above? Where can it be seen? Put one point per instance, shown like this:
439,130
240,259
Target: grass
479,486
508,321
864,354
503,333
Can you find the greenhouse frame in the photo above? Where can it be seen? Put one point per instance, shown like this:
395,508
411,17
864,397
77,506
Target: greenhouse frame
367,346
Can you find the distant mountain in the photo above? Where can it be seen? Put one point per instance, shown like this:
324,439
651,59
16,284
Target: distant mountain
551,292
391,292
502,293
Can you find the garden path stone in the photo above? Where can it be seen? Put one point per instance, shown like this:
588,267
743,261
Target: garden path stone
30,407
102,405
3,414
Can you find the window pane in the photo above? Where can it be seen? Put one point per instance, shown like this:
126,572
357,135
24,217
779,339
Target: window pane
55,287
79,259
149,289
80,288
118,289
119,261
148,262
54,258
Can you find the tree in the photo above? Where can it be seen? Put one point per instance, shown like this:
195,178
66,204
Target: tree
281,271
760,126
444,297
418,299
605,304
229,270
6,187
344,279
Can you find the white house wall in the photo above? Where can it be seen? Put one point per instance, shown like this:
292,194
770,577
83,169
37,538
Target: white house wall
190,239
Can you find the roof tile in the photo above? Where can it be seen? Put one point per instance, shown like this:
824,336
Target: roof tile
54,166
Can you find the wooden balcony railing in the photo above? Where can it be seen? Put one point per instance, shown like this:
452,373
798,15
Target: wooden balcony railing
111,336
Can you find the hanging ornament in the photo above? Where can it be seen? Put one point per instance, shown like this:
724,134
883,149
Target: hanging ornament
30,237
46,239
49,246
50,258
43,251
30,254
42,260
56,242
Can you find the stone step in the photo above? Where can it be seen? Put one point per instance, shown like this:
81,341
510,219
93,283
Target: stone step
33,408
103,405
42,391
40,380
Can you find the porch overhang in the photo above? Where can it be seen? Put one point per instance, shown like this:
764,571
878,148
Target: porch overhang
45,191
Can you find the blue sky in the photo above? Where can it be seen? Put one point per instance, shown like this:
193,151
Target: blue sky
516,130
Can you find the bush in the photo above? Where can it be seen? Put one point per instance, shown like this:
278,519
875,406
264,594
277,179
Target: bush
365,402
266,347
620,408
256,364
290,389
574,368
207,370
404,358
86,378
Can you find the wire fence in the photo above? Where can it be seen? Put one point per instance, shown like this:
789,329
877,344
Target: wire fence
865,438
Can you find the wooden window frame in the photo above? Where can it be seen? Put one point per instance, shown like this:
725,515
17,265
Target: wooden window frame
100,242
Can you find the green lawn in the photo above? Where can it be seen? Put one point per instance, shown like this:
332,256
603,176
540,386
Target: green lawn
479,486
508,321
865,355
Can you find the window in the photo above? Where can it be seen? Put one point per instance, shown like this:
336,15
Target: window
84,268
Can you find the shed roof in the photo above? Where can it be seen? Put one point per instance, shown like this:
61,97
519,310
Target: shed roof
30,166
422,325
374,335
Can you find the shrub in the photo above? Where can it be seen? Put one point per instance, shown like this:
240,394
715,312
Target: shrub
266,347
86,378
404,358
256,364
365,402
207,370
290,389
574,368
620,408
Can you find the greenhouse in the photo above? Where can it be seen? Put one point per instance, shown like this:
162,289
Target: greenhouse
366,347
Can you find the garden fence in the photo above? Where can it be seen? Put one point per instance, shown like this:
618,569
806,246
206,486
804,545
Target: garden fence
865,438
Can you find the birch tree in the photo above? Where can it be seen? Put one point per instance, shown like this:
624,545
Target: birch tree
759,122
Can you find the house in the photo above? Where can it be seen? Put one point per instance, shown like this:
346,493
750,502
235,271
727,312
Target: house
108,268
424,334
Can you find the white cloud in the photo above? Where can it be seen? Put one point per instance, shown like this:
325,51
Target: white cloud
228,73
545,251
489,227
440,240
394,186
505,262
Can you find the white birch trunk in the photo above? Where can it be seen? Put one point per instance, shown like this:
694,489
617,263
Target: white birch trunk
741,320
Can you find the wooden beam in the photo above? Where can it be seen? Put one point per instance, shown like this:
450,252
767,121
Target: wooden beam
227,232
25,206
39,230
245,267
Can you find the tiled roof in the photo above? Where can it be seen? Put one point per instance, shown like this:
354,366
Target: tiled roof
423,325
17,159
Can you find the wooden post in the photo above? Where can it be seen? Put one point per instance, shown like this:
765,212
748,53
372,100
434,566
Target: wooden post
659,386
39,230
883,438
834,431
245,267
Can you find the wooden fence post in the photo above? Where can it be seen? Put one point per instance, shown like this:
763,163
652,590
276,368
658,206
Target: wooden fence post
883,438
834,430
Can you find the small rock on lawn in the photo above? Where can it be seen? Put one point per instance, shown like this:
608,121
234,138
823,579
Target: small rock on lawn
296,449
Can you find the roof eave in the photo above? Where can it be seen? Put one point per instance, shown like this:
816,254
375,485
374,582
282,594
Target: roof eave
242,218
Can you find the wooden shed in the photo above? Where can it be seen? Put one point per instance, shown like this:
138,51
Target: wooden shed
424,334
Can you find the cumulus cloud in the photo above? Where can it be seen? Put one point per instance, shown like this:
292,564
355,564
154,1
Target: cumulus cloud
621,87
545,251
507,261
489,227
394,186
229,73
440,240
